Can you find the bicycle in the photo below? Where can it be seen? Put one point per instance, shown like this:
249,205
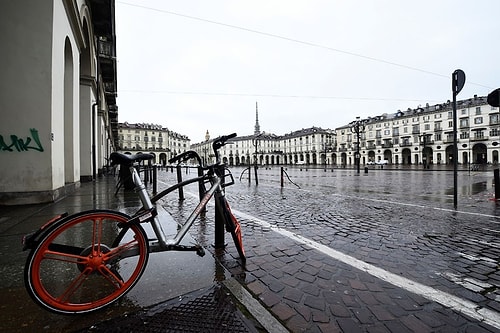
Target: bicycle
86,261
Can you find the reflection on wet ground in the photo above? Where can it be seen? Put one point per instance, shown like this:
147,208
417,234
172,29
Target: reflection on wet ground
413,186
156,285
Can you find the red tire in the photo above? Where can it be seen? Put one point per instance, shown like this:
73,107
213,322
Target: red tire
79,266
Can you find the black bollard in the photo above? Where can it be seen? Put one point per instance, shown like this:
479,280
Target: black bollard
497,183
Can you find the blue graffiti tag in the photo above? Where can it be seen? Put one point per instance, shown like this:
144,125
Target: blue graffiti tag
22,145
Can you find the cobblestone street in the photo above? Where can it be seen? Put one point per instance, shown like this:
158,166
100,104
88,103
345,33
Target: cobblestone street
378,252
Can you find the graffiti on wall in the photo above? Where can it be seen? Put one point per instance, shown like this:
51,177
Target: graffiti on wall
15,143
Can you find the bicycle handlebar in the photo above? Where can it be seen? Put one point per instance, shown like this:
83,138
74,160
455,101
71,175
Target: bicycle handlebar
186,156
220,142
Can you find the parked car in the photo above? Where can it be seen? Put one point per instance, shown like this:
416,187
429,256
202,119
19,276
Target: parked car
383,162
370,163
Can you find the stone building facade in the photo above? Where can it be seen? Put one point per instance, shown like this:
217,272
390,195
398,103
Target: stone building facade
57,96
420,136
312,145
151,138
425,135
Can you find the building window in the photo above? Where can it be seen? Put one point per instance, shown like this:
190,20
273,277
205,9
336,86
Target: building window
478,134
437,126
464,122
478,110
494,132
478,120
464,135
427,127
494,119
437,136
464,112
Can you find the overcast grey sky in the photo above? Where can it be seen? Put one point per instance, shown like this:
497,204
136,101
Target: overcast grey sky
198,65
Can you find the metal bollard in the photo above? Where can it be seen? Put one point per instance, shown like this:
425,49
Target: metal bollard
155,179
201,191
179,180
219,242
496,174
282,180
146,175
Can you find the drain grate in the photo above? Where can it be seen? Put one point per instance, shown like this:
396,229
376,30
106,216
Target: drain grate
211,311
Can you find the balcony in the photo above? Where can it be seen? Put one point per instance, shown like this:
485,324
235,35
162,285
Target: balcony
405,144
479,138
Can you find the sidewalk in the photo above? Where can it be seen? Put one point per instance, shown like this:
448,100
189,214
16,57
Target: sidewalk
178,291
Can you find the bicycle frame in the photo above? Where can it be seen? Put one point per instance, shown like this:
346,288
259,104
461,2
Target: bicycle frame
148,204
94,276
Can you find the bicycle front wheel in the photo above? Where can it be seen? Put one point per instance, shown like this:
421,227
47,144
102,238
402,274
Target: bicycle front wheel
86,262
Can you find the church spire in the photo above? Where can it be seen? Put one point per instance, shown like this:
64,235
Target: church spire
257,126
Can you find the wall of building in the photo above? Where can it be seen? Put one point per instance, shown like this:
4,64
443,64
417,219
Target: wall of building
45,132
27,150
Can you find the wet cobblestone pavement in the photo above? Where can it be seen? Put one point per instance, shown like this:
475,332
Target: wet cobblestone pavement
346,253
378,252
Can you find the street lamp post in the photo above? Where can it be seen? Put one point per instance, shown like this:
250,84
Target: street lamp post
256,143
357,127
326,148
423,140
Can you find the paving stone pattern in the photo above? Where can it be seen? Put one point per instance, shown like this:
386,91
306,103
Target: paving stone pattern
401,231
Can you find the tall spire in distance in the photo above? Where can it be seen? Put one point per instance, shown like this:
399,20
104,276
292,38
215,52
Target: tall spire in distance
257,126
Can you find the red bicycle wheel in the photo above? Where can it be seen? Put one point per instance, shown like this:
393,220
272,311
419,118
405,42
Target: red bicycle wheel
78,266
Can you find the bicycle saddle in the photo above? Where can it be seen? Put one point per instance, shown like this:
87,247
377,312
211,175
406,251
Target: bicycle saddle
124,159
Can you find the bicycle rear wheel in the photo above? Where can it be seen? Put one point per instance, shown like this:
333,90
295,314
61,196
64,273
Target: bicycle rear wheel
79,266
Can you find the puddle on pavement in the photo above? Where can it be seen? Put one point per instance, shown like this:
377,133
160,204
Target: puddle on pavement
168,275
468,190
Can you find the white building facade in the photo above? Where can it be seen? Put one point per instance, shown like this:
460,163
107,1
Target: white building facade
57,96
153,139
311,146
425,136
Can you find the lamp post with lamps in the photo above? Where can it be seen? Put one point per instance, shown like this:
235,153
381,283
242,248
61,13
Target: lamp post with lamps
424,140
357,127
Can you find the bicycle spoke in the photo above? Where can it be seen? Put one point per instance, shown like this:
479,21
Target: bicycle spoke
96,236
125,250
66,257
74,286
111,276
